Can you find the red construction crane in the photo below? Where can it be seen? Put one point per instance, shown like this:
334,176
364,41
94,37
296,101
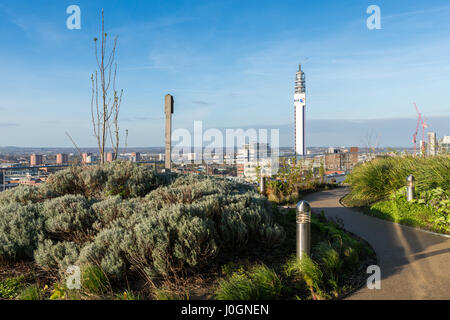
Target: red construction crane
420,120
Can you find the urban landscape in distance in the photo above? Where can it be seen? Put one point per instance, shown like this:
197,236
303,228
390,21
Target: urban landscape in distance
248,152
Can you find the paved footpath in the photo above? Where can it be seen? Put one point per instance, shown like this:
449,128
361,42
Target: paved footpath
414,264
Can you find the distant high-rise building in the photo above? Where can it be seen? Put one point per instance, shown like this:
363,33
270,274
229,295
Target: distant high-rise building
432,144
423,147
135,157
62,158
299,112
110,156
444,146
36,160
339,159
87,158
253,152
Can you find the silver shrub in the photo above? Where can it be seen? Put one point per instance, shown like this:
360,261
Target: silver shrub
68,216
25,195
126,218
54,256
20,227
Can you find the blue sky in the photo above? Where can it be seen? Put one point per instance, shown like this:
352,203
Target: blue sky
229,63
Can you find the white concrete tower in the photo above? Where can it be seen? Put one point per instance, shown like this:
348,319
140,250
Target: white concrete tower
299,112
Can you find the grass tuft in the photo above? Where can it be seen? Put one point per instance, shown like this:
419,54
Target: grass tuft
259,283
31,292
93,279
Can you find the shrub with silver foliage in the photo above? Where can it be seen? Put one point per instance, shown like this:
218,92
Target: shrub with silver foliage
127,218
20,227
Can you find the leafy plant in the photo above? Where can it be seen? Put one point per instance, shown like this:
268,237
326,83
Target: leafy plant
10,288
59,292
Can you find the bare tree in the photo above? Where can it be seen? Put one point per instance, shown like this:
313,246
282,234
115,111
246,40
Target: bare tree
371,142
106,100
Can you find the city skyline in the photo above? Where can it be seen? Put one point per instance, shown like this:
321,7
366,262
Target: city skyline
224,70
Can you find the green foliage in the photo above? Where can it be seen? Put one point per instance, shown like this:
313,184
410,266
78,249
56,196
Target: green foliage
128,295
335,256
259,283
10,288
294,180
308,271
328,257
93,280
377,179
431,210
31,292
166,294
59,292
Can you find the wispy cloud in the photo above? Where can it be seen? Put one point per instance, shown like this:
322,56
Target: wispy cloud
416,12
8,124
155,24
140,118
43,31
200,102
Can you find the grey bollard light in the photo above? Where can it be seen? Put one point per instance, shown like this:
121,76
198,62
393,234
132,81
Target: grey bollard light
262,185
303,229
410,185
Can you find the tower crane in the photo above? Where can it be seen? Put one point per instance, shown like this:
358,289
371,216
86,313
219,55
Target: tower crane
420,121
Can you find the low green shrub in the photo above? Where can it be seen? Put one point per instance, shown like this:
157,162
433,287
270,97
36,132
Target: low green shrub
431,209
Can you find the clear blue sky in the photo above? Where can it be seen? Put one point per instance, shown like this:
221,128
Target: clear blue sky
229,63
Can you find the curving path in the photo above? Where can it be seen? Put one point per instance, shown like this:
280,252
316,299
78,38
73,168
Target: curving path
414,264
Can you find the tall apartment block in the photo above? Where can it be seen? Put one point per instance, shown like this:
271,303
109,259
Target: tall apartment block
62,158
432,145
87,158
36,160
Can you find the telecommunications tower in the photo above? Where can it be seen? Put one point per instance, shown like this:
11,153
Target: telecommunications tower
299,112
